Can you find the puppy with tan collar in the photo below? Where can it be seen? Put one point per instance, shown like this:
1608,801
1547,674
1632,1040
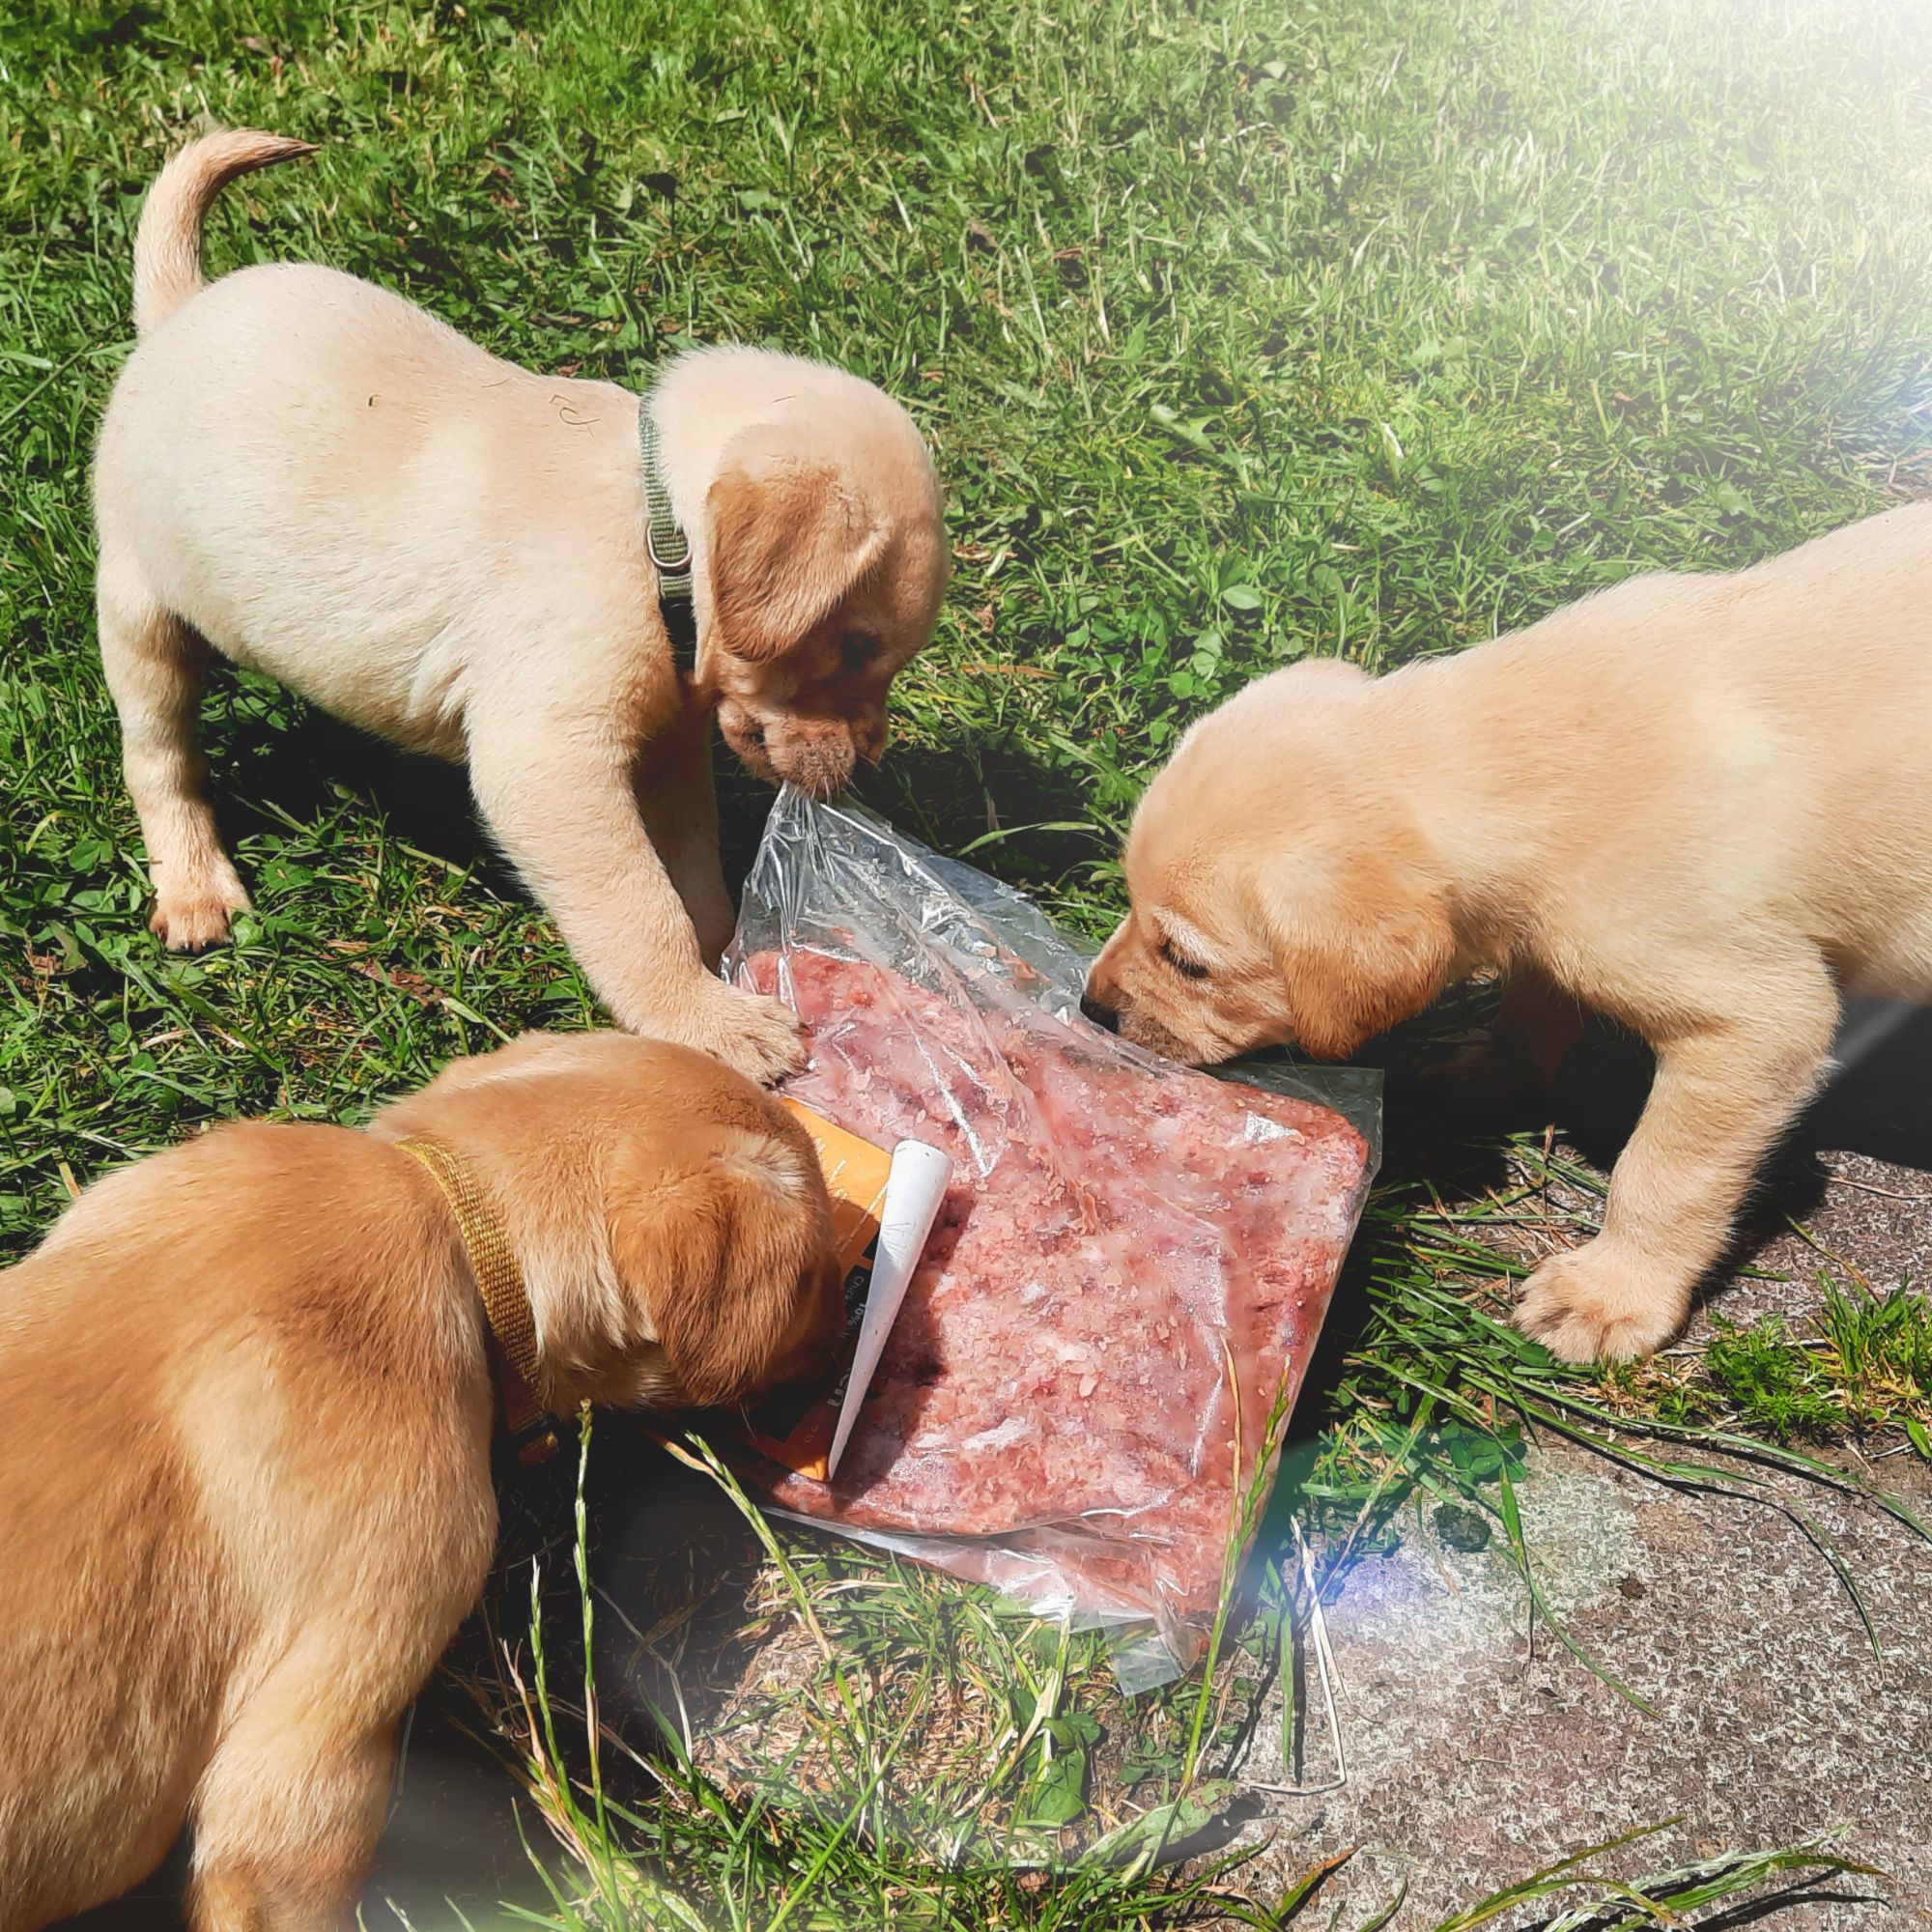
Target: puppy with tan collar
245,1414
1697,804
319,480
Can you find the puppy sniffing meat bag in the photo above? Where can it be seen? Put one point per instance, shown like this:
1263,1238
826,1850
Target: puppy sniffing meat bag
1133,1259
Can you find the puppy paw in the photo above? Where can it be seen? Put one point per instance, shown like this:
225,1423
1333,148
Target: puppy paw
753,1034
1595,1304
196,911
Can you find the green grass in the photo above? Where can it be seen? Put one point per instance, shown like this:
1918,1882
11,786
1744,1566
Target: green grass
1866,1368
1243,332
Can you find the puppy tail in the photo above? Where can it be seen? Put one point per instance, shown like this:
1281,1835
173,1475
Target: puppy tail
167,246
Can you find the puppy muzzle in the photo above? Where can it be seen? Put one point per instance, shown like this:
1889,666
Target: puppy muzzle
1099,1013
815,757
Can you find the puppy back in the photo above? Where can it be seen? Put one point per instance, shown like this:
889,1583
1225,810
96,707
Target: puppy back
255,1252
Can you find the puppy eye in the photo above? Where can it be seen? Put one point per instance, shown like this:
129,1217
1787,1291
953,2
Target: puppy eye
1188,969
856,650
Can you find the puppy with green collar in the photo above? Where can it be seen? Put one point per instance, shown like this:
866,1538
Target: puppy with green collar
554,580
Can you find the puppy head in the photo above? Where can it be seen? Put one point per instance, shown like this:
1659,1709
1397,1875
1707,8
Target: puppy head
825,556
1279,892
721,1242
670,1218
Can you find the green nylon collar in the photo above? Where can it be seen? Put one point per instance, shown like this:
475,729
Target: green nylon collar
668,547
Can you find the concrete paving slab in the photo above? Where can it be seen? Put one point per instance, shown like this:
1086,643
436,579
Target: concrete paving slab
1479,1749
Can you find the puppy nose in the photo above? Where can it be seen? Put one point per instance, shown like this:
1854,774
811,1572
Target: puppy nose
1101,1015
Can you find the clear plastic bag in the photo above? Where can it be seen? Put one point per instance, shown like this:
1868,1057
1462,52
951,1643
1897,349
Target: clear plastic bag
1127,1278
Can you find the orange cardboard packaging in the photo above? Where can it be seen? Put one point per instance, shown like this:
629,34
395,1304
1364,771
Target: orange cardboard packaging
795,1428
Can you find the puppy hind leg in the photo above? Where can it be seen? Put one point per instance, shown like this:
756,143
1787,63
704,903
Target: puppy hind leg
155,665
287,1817
1537,1025
1543,1022
1724,1095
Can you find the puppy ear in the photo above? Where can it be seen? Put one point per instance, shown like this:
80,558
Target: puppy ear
788,539
714,1255
1358,950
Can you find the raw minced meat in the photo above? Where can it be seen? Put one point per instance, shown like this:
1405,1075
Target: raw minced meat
1130,1255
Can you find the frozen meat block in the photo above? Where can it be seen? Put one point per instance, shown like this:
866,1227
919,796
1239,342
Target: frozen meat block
1130,1259
1131,1265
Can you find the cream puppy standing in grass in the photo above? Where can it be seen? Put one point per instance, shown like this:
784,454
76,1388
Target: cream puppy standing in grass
321,480
1701,805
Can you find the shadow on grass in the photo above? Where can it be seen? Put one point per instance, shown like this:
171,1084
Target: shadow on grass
1873,1104
293,761
276,759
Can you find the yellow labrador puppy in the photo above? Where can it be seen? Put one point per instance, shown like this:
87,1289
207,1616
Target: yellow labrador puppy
1698,804
245,1414
321,480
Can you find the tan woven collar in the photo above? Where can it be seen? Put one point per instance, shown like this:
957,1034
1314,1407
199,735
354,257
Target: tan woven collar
506,1299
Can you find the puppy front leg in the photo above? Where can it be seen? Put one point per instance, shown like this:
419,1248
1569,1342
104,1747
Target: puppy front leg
1723,1096
678,797
560,801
